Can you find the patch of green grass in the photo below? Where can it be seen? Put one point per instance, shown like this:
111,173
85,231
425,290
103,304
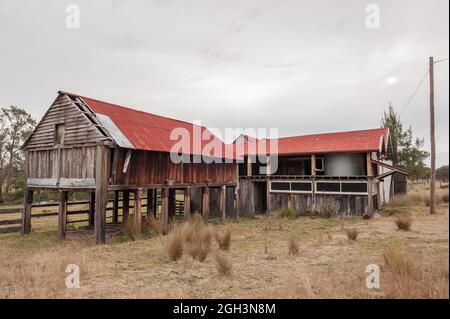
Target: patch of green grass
119,239
285,213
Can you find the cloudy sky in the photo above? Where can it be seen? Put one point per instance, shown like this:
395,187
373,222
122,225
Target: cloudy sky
301,66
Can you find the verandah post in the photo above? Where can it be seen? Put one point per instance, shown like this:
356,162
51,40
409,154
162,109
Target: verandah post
369,184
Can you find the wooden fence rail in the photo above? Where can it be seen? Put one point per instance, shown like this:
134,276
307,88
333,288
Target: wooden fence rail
14,224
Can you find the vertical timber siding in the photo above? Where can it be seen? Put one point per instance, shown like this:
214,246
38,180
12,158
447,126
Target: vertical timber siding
340,205
146,167
75,163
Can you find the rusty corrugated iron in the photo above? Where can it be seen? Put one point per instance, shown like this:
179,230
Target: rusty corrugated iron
151,132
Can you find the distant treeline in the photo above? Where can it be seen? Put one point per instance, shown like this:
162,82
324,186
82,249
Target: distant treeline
15,126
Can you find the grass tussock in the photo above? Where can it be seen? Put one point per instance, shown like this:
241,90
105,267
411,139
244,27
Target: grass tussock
197,237
327,210
293,246
175,244
41,276
352,234
223,264
404,222
398,261
403,200
223,238
285,213
130,229
151,227
407,279
440,198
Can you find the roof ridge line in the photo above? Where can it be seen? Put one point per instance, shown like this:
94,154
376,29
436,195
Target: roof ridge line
327,133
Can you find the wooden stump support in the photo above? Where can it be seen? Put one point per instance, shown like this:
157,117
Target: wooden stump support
92,209
187,204
222,202
236,202
115,211
125,205
205,203
138,209
101,191
151,208
165,210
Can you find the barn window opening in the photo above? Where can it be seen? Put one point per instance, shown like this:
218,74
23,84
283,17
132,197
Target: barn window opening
301,187
59,134
280,186
328,187
319,166
354,187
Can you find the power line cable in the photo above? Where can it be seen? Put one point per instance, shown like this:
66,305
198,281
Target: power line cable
415,92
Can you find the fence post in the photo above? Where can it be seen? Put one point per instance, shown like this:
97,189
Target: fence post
62,214
26,213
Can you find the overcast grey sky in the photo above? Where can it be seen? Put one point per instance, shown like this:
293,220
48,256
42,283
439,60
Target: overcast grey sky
302,66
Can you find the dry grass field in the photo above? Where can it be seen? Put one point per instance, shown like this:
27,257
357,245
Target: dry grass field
305,258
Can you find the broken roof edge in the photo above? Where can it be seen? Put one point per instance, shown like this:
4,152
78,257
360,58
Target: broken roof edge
396,168
119,138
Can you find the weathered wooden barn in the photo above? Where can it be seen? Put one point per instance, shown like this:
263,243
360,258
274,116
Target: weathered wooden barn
82,144
86,145
343,173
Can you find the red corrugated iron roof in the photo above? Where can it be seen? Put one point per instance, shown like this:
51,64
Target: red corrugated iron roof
371,140
147,131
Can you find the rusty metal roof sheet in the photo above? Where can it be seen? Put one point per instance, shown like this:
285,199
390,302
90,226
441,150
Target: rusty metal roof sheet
147,131
371,140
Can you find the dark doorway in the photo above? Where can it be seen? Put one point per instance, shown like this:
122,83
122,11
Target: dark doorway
260,197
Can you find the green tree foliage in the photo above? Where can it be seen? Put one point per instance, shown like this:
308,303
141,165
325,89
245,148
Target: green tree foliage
405,150
15,126
442,173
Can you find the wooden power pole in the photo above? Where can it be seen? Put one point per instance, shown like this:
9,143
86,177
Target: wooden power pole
432,140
